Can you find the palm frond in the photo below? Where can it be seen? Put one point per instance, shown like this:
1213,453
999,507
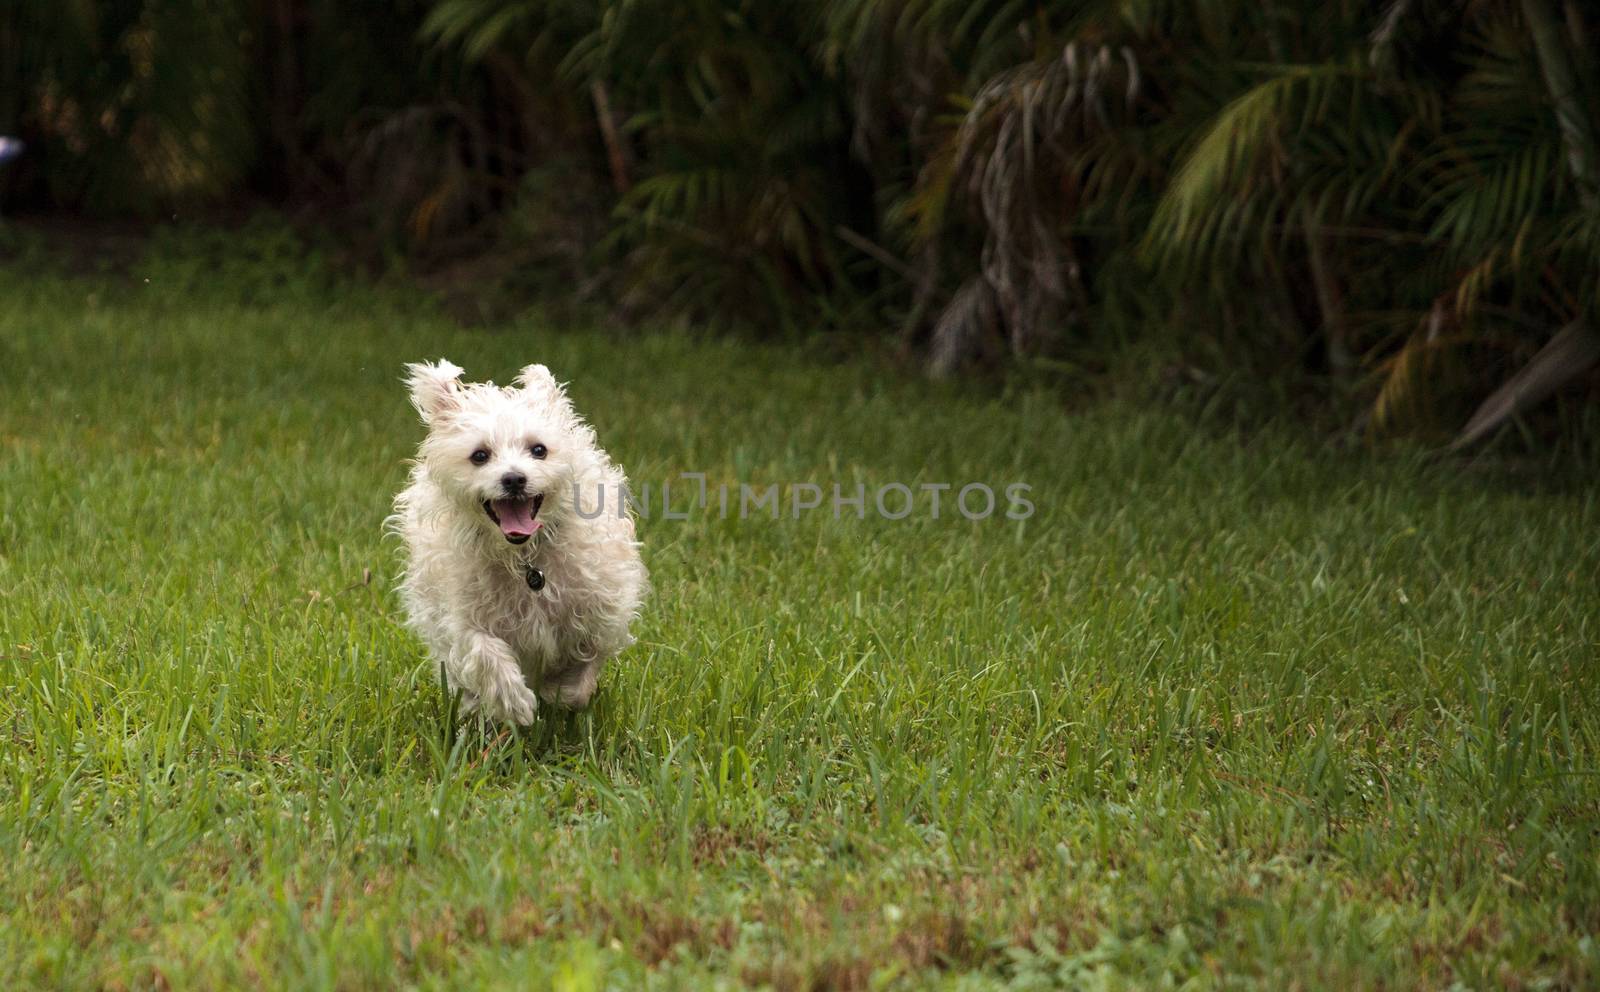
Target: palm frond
1235,155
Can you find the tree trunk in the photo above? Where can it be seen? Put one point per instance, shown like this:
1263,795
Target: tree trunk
1330,302
616,151
1572,115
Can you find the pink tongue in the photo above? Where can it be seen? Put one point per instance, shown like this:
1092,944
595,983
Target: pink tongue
516,517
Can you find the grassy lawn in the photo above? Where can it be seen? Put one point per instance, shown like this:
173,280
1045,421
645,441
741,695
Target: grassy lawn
1225,711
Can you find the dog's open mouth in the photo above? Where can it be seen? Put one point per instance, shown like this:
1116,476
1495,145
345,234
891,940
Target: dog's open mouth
517,518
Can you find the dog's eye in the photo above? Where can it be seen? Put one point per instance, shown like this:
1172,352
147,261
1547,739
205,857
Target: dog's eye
480,456
538,451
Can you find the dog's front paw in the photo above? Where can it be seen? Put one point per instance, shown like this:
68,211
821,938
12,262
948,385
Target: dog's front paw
509,702
487,671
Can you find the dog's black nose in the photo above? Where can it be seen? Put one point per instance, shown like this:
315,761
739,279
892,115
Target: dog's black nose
513,482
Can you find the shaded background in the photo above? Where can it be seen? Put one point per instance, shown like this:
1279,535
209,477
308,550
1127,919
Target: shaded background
1378,214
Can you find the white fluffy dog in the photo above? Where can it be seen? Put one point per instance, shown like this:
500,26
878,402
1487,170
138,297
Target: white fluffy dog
522,569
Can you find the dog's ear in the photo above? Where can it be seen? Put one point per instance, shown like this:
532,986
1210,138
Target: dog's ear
537,379
435,388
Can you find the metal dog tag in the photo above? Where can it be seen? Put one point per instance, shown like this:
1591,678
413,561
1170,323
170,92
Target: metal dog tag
535,579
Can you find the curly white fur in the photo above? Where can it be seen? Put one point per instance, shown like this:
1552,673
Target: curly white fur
466,587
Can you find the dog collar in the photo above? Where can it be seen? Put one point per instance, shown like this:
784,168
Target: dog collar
535,578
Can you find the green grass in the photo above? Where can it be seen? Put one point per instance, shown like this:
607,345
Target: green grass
1226,711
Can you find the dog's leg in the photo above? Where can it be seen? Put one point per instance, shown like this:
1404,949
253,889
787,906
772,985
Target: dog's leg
573,686
486,668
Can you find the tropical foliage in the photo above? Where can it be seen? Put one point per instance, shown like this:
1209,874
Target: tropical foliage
1404,198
